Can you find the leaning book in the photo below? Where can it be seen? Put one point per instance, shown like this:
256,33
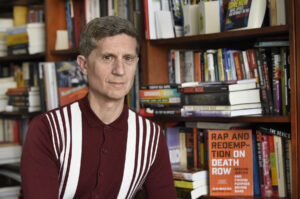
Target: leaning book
230,162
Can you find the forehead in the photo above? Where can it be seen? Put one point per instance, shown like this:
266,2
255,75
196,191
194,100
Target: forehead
118,43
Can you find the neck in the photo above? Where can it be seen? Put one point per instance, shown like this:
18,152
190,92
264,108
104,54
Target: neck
106,110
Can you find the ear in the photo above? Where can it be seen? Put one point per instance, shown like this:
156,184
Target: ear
82,62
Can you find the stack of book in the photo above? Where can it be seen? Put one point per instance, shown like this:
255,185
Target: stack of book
164,99
26,39
221,99
5,23
23,99
6,82
191,183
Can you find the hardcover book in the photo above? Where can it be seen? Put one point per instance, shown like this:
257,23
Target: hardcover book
222,98
72,84
193,174
230,152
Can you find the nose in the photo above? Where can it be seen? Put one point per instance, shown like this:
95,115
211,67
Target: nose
118,67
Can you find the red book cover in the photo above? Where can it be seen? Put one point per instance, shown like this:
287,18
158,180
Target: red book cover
230,162
266,189
252,64
238,67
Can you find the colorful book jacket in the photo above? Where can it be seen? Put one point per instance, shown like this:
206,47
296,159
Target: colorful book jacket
230,152
266,188
72,84
237,14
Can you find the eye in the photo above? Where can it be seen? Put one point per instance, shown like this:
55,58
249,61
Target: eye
130,58
107,58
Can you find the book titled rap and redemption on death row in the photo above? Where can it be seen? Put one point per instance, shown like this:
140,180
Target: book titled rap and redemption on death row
230,163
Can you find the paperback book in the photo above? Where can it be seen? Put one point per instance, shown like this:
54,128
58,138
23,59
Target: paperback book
230,152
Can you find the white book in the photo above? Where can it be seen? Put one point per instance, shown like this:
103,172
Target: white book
280,166
188,66
191,18
153,5
209,13
178,66
51,90
8,152
164,24
281,12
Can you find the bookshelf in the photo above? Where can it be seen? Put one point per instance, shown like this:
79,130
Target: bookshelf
154,66
154,62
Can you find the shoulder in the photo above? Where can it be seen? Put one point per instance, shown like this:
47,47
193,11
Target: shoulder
142,120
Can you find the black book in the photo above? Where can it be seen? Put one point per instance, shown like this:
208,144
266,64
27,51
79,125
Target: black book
222,98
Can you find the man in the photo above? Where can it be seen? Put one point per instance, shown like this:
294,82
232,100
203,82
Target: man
97,147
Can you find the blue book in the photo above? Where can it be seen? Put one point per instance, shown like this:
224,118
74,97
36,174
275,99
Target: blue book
256,183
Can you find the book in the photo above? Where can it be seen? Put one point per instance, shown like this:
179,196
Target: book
191,147
245,14
176,146
209,17
71,82
273,166
10,153
231,113
192,193
230,152
256,174
190,184
204,88
191,19
266,188
158,93
164,25
222,98
222,108
192,174
284,132
280,163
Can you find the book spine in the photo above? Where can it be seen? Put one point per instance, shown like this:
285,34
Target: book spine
256,174
288,152
238,67
273,165
197,66
206,99
266,190
158,93
262,82
221,65
280,163
276,81
267,79
260,163
273,131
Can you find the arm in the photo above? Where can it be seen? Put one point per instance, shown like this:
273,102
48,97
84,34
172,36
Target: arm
39,166
159,182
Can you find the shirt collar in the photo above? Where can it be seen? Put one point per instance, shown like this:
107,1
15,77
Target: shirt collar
93,120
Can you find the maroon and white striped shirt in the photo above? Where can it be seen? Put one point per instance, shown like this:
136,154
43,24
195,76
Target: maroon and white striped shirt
70,153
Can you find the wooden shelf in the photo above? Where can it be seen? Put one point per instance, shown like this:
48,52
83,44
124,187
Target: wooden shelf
22,114
271,31
68,52
248,119
38,56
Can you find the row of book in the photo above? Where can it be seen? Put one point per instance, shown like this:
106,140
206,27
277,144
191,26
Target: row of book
23,32
176,18
41,86
202,99
240,160
270,67
78,13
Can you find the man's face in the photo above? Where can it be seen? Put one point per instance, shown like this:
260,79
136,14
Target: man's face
111,67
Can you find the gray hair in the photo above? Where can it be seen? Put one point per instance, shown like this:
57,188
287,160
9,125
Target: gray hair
100,28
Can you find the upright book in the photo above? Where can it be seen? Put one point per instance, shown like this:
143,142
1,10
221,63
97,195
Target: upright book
230,152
